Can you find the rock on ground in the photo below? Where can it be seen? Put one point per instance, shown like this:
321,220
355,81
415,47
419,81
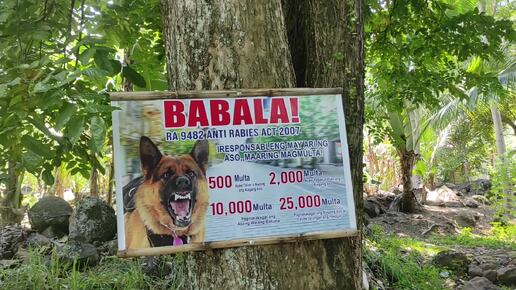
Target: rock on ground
50,215
479,283
35,240
156,266
469,202
466,219
10,239
443,196
373,208
92,221
452,260
86,254
507,276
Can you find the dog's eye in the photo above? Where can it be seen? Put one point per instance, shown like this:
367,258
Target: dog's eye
166,175
190,172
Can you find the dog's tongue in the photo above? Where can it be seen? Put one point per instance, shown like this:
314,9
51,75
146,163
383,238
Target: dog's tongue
181,207
177,241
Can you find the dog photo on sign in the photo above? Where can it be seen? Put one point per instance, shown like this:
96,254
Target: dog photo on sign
166,206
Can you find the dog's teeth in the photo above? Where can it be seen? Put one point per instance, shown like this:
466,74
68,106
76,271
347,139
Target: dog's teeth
180,197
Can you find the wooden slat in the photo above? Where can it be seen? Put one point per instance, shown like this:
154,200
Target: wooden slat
159,95
235,243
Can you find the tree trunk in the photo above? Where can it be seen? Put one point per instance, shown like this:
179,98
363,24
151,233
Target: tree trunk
243,44
10,206
94,182
408,200
333,57
57,188
498,127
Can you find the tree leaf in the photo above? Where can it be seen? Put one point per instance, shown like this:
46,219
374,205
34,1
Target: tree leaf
41,87
64,115
47,177
31,161
133,76
86,55
98,132
103,62
37,146
74,128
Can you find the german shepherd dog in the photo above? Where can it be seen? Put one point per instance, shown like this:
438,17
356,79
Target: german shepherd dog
167,205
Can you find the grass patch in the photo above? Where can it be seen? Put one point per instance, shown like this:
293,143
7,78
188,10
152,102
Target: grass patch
499,237
400,261
111,273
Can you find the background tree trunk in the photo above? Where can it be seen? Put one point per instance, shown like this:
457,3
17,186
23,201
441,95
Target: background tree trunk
498,128
408,200
243,44
94,182
10,206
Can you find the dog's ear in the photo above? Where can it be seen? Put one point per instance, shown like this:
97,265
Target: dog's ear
200,153
149,156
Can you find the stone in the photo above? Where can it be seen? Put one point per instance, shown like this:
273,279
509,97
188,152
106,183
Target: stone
8,264
479,283
490,275
465,219
474,271
488,266
443,196
480,199
108,248
482,186
452,260
85,254
373,208
92,221
36,240
11,237
53,212
507,276
471,203
23,255
156,266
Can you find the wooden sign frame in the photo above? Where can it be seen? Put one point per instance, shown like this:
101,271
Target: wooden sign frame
207,246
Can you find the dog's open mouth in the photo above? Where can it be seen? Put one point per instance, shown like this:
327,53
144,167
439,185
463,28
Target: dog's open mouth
181,207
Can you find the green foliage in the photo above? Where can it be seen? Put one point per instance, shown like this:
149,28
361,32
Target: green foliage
498,237
57,60
466,150
112,273
416,50
425,167
47,99
503,179
400,263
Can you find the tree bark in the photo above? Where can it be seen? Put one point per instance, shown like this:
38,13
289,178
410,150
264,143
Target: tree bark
408,201
10,206
332,39
243,44
498,127
94,182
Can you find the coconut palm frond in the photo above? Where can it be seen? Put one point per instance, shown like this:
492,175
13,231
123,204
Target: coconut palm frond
508,75
451,110
460,6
